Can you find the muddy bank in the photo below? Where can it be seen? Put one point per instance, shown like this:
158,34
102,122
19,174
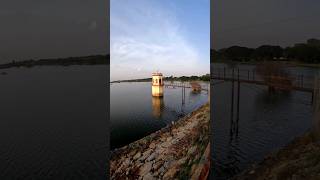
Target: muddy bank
298,160
177,151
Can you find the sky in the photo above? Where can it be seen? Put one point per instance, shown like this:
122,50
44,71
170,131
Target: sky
169,36
253,23
33,29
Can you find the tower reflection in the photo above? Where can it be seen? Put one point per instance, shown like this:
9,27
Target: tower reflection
157,106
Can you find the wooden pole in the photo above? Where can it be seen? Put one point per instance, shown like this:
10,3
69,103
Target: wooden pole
238,103
232,102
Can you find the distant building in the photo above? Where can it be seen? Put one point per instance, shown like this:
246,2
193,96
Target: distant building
157,84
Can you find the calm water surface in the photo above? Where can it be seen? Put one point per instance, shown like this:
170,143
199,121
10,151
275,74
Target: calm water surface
53,123
266,123
135,113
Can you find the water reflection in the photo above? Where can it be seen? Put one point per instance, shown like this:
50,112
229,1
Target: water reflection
134,113
157,106
244,134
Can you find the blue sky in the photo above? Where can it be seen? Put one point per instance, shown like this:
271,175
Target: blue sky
172,36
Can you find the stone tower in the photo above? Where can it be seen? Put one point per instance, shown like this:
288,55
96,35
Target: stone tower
157,84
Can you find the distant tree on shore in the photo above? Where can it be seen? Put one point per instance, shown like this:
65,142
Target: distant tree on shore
84,60
308,52
189,78
268,52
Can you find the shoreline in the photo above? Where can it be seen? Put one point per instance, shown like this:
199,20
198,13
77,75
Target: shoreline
175,151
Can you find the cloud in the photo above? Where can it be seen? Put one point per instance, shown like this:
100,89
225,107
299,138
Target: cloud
146,37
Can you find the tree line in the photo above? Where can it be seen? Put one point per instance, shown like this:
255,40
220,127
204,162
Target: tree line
308,52
85,60
205,77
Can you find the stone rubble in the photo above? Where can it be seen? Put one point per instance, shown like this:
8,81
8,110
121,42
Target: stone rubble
173,152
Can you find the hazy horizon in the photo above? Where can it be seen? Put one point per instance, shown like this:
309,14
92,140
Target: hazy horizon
169,36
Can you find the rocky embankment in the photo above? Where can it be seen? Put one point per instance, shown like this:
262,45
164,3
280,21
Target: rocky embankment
299,160
178,151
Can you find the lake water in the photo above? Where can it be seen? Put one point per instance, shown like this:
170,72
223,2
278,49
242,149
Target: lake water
134,113
53,123
266,123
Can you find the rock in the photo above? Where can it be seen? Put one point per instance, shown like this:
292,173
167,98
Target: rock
145,155
145,169
180,135
148,177
159,150
182,160
166,164
161,170
132,153
139,164
152,157
192,150
175,141
169,138
125,164
157,165
152,145
166,144
170,174
135,157
152,136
